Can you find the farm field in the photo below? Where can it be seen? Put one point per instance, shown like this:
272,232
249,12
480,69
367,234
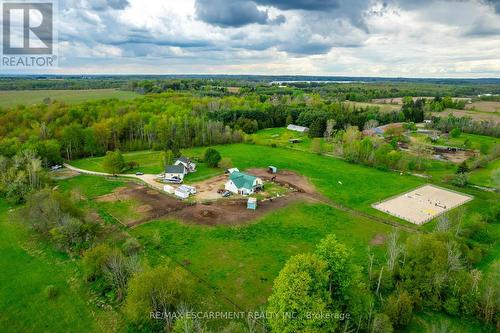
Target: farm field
384,107
28,97
484,106
475,115
399,100
242,261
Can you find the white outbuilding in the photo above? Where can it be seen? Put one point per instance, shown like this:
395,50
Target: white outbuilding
296,128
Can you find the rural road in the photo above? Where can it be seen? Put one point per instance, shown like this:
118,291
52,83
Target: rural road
146,178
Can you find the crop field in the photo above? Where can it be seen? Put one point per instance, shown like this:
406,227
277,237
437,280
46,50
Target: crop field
28,97
475,115
484,106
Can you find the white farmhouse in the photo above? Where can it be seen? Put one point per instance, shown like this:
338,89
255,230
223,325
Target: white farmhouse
174,173
242,183
189,165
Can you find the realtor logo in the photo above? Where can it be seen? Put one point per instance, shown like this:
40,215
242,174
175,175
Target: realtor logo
28,34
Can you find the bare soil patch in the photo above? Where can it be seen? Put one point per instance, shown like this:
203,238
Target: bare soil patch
458,156
286,178
152,203
207,189
234,211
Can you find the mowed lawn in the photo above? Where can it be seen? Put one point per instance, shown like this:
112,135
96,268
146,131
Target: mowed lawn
27,267
243,261
29,97
352,185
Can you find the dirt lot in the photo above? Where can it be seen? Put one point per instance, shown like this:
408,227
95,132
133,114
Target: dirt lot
153,205
207,189
286,178
459,156
234,211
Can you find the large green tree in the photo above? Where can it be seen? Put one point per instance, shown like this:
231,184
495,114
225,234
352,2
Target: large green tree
114,162
212,157
300,295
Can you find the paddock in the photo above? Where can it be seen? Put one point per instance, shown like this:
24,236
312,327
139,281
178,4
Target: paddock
422,204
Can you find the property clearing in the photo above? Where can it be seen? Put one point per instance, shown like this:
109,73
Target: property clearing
135,204
422,204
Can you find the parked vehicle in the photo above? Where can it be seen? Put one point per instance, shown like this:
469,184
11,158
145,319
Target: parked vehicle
226,194
139,174
221,190
173,180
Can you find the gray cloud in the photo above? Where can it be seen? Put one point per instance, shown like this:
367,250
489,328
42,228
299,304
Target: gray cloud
495,4
230,13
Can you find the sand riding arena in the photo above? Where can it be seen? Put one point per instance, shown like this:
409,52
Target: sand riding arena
422,204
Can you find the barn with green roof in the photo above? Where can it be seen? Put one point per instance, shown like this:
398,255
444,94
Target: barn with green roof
243,183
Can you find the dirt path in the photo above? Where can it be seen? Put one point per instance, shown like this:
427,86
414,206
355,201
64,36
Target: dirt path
147,178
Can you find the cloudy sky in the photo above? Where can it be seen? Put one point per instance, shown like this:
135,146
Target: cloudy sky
425,38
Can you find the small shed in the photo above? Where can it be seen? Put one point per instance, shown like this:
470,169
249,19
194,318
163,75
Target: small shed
169,189
187,188
272,169
181,193
252,203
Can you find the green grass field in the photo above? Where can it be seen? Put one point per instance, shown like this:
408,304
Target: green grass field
384,107
28,266
28,97
280,136
243,261
484,176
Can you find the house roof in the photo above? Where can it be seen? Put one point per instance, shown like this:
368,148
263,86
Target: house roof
183,159
242,180
174,168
